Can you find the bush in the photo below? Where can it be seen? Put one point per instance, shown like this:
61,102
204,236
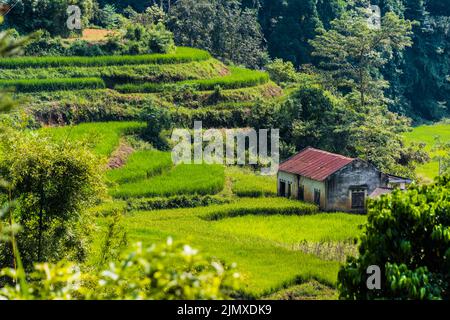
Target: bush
160,272
174,202
282,72
408,237
33,85
52,183
182,55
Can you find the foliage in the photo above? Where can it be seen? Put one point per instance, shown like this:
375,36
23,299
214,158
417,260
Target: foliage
32,85
314,117
139,39
182,55
52,184
107,17
282,72
166,271
352,52
408,237
174,202
220,27
50,15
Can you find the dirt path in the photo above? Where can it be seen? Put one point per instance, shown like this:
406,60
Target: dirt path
120,155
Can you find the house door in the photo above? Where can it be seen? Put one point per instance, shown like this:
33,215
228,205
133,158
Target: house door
317,196
282,188
301,193
358,199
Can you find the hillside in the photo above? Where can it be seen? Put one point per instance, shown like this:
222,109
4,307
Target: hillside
205,205
190,83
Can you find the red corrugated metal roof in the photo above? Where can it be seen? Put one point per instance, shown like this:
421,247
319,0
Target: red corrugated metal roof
315,164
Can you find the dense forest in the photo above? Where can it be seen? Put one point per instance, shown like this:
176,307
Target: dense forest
419,77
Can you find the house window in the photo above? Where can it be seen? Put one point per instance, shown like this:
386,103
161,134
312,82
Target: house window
301,193
289,191
317,196
358,199
282,188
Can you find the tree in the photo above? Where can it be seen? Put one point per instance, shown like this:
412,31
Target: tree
221,27
353,51
52,184
50,15
408,236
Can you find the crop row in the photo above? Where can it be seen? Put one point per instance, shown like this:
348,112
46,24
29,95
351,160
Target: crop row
182,55
239,78
33,85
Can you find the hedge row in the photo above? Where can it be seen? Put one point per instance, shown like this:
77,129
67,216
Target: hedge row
182,55
240,78
263,206
174,202
33,85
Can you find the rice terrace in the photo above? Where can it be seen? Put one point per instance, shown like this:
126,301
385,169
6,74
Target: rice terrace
95,111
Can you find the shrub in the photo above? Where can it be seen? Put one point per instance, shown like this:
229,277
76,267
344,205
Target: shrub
174,202
52,183
32,85
182,55
160,272
408,237
282,72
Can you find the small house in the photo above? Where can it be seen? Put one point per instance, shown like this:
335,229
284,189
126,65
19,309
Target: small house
332,181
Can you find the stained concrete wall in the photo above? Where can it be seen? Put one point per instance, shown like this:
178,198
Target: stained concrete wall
309,187
356,175
288,178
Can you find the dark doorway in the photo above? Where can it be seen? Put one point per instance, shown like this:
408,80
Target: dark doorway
301,193
282,188
289,191
317,196
358,199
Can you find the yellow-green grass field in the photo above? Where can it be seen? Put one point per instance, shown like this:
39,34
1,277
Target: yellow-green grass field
258,243
427,134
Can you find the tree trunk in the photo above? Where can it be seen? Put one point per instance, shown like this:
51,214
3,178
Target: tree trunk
41,224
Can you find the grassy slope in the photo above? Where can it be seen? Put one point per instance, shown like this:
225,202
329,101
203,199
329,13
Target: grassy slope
266,266
102,137
427,134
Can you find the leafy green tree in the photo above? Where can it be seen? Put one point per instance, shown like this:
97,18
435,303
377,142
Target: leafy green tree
50,15
353,51
52,184
107,17
282,72
221,27
408,237
442,154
